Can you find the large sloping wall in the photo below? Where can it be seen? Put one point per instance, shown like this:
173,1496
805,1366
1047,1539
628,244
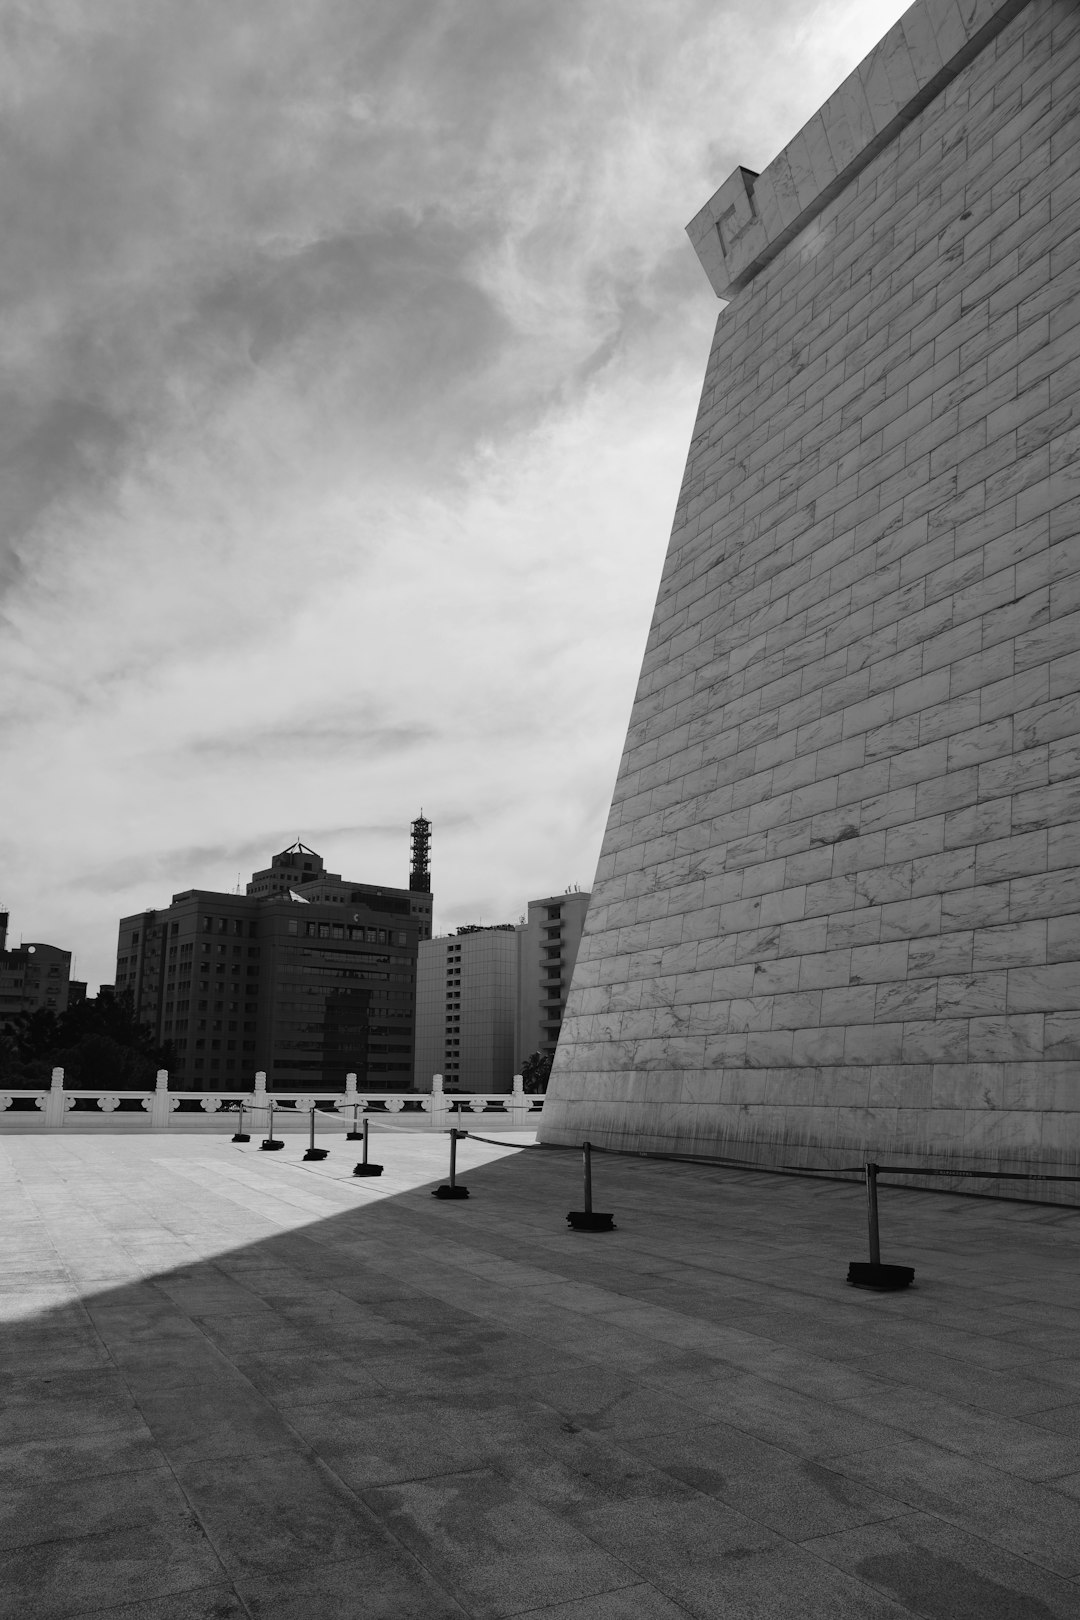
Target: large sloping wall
838,903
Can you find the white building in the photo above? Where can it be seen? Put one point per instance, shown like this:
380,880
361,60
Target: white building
547,950
487,998
465,997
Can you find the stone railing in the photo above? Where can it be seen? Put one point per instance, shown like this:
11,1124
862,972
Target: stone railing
28,1108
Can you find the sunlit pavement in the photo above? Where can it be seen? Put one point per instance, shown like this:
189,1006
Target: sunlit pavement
236,1384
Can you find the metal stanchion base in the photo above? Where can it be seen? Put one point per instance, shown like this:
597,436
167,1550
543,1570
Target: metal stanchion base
368,1170
590,1220
864,1274
316,1153
451,1192
269,1143
241,1136
354,1136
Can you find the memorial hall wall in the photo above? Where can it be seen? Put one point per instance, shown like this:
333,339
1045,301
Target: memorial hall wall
838,902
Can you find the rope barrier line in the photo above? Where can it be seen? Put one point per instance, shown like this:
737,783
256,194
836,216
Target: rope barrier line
872,1274
524,1147
997,1175
706,1160
722,1162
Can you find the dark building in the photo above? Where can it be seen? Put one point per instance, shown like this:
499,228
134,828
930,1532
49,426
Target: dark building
32,977
308,976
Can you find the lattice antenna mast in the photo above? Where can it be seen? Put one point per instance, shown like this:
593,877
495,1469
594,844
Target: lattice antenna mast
420,873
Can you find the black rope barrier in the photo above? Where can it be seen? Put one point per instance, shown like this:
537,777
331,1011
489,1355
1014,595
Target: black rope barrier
872,1273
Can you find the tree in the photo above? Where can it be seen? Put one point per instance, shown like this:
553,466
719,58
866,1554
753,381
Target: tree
535,1071
98,1043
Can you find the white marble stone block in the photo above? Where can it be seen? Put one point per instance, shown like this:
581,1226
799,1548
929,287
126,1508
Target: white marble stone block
837,908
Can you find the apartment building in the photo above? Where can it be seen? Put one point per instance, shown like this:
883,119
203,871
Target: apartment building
488,997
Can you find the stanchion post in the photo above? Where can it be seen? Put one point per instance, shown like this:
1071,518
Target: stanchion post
364,1168
313,1152
270,1142
588,1219
872,1213
454,1188
873,1274
241,1135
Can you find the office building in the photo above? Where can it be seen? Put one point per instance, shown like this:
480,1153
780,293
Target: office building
307,976
33,977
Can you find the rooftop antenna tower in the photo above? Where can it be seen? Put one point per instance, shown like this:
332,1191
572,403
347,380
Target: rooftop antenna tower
420,870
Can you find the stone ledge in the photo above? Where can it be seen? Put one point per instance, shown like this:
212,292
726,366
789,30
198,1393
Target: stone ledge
753,216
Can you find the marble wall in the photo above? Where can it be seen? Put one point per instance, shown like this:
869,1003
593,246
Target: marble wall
838,902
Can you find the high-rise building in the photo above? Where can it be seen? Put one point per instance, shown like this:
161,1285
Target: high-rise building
465,995
308,976
488,997
32,977
547,950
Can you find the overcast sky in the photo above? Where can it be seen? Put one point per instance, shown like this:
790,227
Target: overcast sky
350,353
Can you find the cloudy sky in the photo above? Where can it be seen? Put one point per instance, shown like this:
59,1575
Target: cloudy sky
350,352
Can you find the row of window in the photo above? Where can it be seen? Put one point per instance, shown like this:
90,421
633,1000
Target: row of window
353,973
363,936
350,958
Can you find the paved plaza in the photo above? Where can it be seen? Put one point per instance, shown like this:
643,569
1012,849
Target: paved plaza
238,1385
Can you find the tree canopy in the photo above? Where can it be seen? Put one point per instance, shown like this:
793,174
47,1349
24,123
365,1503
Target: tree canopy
535,1071
98,1043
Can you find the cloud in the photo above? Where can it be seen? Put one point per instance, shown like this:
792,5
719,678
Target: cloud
350,353
322,736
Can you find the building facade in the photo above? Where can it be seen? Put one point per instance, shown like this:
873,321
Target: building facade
547,951
33,977
307,976
465,1002
489,997
837,909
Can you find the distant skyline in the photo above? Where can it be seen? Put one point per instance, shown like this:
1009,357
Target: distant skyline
351,354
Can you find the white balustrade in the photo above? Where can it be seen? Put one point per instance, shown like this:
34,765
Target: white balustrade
86,1108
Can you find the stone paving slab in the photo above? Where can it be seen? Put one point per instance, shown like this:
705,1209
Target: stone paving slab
232,1384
